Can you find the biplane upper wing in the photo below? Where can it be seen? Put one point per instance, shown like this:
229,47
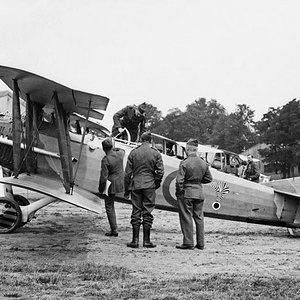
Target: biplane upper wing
41,91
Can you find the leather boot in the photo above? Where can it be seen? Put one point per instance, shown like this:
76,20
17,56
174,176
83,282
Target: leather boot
146,241
135,237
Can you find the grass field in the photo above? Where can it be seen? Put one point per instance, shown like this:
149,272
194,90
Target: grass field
91,281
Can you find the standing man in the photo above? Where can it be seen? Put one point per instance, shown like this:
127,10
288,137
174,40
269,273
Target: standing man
131,117
143,174
192,172
251,172
111,170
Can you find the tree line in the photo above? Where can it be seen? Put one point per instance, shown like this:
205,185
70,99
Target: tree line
209,122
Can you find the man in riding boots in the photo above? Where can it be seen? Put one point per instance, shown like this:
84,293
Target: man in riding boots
131,117
143,174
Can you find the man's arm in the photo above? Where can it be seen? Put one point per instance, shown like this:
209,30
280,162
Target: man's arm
117,117
103,175
207,178
179,185
128,174
159,173
143,125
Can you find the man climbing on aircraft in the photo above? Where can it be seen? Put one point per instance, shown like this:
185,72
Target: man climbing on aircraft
251,172
131,117
111,170
192,172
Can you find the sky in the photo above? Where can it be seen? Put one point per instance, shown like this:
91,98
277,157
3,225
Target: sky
164,52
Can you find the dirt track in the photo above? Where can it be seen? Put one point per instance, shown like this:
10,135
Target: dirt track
65,233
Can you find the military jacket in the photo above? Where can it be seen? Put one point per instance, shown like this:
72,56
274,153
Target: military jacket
126,117
192,172
112,169
144,168
251,172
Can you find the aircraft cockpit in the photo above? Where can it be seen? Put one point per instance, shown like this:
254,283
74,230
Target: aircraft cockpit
169,147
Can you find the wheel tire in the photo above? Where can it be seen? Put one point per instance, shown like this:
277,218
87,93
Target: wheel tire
22,201
10,215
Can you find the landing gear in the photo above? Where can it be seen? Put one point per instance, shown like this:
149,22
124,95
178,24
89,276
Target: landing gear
10,215
22,201
294,232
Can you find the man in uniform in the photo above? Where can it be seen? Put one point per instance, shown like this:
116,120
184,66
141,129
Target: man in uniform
192,172
111,170
143,174
131,117
251,172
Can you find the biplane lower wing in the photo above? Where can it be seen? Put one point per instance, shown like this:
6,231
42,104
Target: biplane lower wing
53,188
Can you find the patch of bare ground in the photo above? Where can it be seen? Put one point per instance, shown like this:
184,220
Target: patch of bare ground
64,254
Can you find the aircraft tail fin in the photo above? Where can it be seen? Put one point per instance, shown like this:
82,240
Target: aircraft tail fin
288,206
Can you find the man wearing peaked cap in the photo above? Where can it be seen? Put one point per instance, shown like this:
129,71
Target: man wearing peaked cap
142,107
111,170
143,174
146,137
131,117
192,142
192,172
107,144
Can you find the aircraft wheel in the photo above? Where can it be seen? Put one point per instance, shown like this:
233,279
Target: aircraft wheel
10,215
22,201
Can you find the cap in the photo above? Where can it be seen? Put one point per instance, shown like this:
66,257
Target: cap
107,143
142,107
192,142
146,137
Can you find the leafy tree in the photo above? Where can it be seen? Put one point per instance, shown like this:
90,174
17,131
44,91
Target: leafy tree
234,132
154,116
167,126
197,121
280,128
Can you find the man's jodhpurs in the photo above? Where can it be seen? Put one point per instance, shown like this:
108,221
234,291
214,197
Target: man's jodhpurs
143,203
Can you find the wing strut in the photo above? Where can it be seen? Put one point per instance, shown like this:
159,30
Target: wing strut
82,138
64,144
30,162
17,129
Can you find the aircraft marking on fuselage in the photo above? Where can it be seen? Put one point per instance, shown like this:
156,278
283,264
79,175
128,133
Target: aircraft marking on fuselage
166,189
221,188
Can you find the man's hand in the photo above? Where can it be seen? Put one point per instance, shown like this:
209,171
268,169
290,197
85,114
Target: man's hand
127,195
179,193
101,195
157,184
120,129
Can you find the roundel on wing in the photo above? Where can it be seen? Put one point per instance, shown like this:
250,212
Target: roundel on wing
166,188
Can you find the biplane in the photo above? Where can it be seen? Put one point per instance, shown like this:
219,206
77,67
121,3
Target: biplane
57,152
